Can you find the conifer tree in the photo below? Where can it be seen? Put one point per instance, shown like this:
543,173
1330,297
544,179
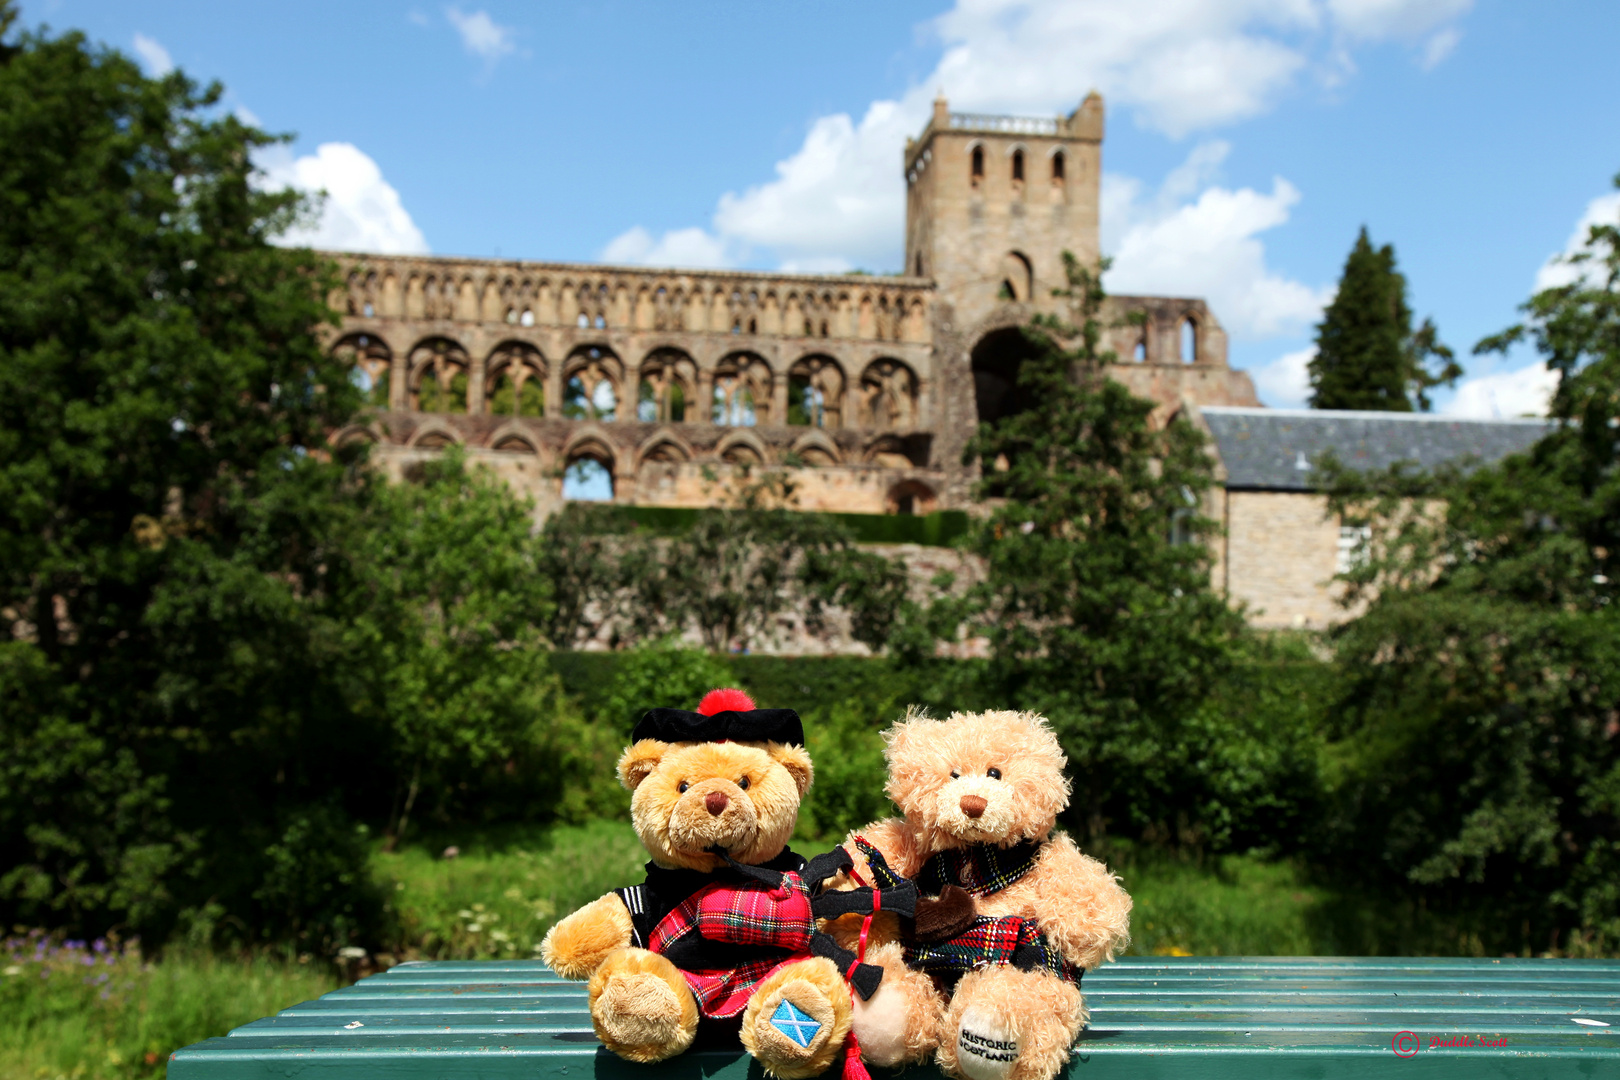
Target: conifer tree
1367,354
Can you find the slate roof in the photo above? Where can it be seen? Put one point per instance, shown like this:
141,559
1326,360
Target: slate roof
1276,449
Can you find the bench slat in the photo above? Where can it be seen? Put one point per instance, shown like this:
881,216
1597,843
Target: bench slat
1224,1018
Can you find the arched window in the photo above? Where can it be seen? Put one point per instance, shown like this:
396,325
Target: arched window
517,382
1018,166
668,380
588,479
919,272
438,376
655,402
590,392
1017,277
372,367
1057,167
978,164
742,391
1189,342
1139,354
889,395
815,392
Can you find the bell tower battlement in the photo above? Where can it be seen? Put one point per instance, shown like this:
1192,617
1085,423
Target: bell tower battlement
992,202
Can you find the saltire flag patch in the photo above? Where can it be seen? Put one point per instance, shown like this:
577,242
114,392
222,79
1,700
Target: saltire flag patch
793,1023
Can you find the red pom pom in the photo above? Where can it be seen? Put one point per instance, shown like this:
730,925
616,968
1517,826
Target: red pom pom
719,701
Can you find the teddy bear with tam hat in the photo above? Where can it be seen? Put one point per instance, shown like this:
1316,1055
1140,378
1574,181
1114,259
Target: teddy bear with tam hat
1017,914
721,937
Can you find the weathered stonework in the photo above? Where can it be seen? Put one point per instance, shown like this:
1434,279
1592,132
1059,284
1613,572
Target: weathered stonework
864,388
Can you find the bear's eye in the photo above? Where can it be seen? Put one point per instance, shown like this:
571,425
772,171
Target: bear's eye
682,786
743,783
994,774
955,775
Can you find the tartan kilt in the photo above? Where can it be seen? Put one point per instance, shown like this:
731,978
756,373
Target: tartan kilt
748,914
989,941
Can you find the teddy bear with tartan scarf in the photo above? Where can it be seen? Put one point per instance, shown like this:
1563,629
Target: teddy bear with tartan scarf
1015,913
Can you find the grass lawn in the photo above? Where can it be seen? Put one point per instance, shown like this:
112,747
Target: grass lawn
87,1010
74,1011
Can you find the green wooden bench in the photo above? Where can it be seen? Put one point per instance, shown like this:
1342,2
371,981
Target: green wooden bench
1240,1017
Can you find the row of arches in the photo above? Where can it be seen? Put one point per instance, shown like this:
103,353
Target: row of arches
589,478
812,450
881,313
593,383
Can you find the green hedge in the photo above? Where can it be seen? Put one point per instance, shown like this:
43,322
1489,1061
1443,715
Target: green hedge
938,529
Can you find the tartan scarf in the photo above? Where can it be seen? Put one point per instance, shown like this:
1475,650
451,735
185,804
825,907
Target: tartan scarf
980,869
1007,940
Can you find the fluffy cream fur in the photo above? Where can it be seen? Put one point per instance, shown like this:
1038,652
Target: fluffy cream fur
943,775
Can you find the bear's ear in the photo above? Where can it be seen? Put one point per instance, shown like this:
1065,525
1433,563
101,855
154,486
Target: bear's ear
638,762
796,760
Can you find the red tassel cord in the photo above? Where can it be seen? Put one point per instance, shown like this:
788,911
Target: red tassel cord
854,1067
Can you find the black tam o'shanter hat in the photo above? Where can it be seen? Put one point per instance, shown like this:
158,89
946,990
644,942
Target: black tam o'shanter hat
722,716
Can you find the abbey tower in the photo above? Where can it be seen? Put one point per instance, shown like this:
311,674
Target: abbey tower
992,202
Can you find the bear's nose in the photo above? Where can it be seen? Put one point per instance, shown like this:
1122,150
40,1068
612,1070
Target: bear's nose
717,802
972,805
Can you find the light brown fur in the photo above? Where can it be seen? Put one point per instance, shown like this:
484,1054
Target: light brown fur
641,1006
1080,906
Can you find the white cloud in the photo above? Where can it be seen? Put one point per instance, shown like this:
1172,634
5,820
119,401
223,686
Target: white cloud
153,56
692,248
1505,394
1440,46
1176,66
1375,20
1208,247
1603,210
481,35
361,210
1179,65
1285,383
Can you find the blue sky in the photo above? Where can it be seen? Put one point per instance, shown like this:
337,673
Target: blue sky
1247,140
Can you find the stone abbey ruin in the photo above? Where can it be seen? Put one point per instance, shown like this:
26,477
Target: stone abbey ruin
658,382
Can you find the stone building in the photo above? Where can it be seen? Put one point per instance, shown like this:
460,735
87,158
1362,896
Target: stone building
656,386
1280,548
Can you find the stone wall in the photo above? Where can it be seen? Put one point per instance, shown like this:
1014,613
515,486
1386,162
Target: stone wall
1279,556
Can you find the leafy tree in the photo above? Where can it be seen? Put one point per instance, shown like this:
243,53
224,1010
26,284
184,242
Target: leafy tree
1367,354
1478,752
167,702
449,592
1097,602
